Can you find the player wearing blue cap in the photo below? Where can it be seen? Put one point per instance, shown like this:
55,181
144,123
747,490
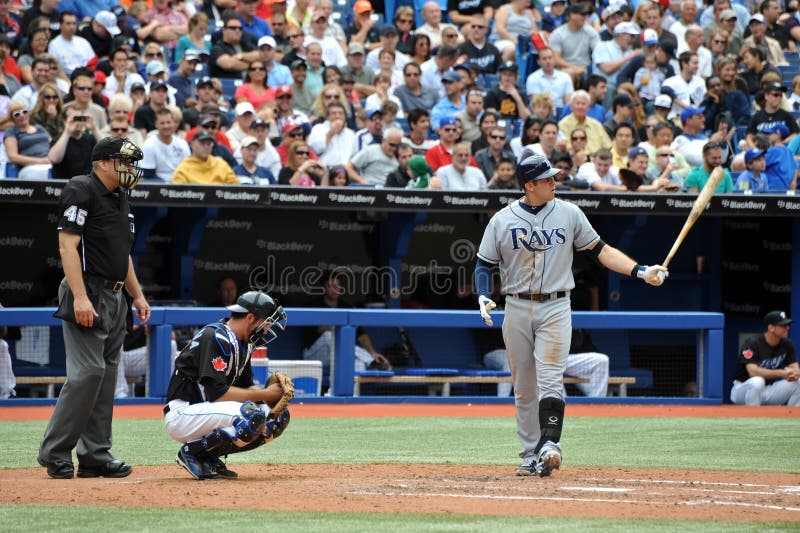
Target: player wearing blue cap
532,241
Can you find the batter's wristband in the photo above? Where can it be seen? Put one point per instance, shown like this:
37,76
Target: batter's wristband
638,271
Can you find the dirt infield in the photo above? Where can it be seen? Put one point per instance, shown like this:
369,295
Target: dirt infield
438,489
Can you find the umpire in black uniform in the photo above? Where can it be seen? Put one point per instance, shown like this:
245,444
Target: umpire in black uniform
95,234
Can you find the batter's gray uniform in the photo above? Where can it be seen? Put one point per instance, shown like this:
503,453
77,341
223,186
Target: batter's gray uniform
533,249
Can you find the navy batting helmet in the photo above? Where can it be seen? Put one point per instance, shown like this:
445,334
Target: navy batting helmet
534,167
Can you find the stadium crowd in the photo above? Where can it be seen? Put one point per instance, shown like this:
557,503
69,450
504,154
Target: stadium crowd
620,96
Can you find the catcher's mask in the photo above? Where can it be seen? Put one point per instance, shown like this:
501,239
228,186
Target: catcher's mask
267,310
126,156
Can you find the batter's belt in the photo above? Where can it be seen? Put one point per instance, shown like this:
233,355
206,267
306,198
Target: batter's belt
540,297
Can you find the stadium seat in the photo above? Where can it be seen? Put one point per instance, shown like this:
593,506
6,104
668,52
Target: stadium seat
403,122
229,86
12,171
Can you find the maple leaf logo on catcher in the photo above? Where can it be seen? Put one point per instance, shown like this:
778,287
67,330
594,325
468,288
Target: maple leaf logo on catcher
219,364
747,354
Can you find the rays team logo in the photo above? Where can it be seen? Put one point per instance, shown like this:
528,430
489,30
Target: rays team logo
538,241
219,364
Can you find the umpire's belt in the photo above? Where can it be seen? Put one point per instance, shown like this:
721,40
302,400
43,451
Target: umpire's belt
115,286
540,297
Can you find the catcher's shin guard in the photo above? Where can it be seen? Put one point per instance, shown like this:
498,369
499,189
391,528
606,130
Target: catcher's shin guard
551,419
247,429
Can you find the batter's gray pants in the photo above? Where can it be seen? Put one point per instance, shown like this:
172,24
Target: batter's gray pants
537,336
85,406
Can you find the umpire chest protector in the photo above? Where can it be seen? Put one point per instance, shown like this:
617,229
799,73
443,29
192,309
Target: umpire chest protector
103,220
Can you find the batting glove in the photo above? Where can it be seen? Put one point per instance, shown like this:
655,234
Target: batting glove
486,305
655,275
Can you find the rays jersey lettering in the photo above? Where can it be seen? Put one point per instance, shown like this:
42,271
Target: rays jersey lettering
539,241
534,250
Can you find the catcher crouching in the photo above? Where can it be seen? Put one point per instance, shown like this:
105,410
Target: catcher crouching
213,407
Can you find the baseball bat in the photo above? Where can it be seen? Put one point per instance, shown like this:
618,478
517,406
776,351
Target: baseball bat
699,206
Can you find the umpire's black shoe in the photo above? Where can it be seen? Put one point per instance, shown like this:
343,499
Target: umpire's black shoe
59,469
115,468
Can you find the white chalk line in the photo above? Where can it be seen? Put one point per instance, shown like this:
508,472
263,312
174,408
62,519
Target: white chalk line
682,482
559,499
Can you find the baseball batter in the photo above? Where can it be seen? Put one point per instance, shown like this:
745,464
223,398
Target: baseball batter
211,408
532,241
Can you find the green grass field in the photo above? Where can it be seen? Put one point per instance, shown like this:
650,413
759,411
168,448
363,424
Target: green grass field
671,443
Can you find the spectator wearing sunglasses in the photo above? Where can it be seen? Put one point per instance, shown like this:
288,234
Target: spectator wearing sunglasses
27,145
373,163
83,96
284,111
476,50
290,132
232,55
488,158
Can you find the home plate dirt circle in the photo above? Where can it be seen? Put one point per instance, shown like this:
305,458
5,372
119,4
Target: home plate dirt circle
446,489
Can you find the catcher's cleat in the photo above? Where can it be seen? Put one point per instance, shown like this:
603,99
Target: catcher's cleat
549,459
197,468
216,465
528,466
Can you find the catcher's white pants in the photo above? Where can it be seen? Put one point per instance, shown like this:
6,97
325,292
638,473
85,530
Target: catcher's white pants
186,422
755,391
591,365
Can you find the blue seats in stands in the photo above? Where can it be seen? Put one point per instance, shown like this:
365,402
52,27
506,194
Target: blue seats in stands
12,170
403,122
229,86
513,127
487,81
343,12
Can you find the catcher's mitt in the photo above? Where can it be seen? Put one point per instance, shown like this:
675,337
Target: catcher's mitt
288,391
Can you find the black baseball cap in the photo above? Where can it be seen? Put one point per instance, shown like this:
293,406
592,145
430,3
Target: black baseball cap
298,63
204,80
508,65
577,8
111,148
204,136
776,318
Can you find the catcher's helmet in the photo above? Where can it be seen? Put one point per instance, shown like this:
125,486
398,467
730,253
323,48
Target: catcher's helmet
263,306
534,167
126,156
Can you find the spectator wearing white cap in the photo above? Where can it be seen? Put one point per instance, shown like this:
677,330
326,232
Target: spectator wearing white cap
245,114
332,53
758,37
181,78
277,74
172,24
248,171
71,50
100,31
610,56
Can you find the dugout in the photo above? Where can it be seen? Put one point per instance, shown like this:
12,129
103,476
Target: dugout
397,243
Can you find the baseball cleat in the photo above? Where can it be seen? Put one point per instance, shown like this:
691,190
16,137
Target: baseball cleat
197,468
216,465
549,459
528,466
